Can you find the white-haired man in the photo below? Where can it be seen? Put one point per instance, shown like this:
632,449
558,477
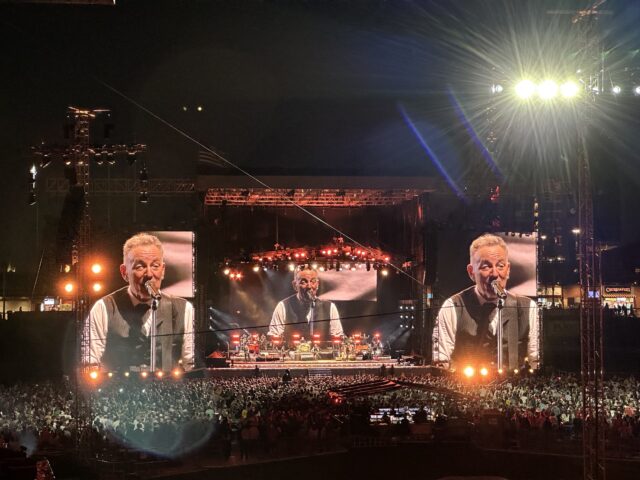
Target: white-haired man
466,326
118,324
304,312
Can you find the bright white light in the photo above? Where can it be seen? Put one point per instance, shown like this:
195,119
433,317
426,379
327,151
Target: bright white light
636,90
292,267
569,89
525,89
469,371
497,88
616,90
548,89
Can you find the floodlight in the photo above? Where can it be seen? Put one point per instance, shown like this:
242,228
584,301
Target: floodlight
525,89
569,89
96,268
96,287
548,89
68,287
616,90
484,372
469,371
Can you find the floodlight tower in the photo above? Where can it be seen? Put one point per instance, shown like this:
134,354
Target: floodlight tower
589,259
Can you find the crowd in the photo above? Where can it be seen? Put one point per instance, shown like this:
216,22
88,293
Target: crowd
267,415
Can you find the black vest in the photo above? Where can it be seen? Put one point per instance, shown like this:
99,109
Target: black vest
296,317
476,344
126,344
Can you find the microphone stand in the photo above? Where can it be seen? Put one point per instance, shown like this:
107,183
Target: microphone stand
499,332
152,333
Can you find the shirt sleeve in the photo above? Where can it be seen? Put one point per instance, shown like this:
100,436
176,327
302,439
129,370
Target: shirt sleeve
533,350
188,340
444,333
335,325
278,319
96,326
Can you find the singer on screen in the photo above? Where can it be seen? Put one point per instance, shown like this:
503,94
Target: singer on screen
118,324
304,312
466,326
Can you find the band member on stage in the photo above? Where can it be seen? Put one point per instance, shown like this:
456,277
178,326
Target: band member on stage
119,323
304,311
466,326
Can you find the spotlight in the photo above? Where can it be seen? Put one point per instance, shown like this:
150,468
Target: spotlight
144,374
177,373
292,267
68,287
126,374
569,89
484,372
525,89
159,374
616,90
548,89
110,374
96,268
93,375
384,272
96,287
469,371
226,271
256,268
636,90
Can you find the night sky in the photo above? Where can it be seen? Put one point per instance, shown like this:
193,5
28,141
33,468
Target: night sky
328,87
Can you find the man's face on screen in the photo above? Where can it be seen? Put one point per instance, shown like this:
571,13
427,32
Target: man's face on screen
488,264
143,263
306,285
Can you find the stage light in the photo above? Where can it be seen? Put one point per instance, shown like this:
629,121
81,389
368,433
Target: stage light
96,287
144,374
531,370
484,372
469,371
575,231
292,267
569,89
226,271
96,268
68,287
616,90
177,373
548,89
636,90
126,374
384,272
256,268
159,374
93,375
500,371
314,266
110,374
516,371
525,89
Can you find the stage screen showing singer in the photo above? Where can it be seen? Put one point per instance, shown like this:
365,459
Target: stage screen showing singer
147,323
493,321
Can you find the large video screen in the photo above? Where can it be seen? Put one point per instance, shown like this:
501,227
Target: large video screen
253,300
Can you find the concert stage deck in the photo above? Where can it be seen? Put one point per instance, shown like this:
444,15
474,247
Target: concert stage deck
310,368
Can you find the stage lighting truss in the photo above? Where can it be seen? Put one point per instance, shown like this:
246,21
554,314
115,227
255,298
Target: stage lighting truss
339,256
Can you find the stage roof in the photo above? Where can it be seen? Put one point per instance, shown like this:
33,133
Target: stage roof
313,191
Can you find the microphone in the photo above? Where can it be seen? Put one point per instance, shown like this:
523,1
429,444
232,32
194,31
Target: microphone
312,297
152,290
499,291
